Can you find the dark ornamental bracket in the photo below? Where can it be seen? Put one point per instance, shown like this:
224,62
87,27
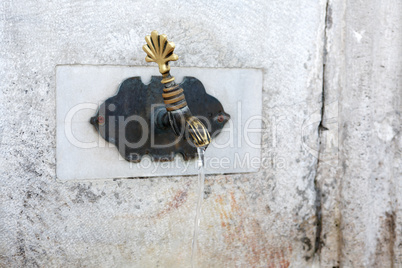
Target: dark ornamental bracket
137,122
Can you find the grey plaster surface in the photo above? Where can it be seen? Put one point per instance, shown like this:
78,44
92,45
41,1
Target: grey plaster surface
333,204
361,193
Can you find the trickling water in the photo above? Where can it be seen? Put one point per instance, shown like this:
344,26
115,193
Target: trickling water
201,179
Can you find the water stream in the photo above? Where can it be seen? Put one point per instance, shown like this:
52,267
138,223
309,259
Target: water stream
201,179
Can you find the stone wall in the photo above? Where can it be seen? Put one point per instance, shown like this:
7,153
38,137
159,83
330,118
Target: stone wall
330,195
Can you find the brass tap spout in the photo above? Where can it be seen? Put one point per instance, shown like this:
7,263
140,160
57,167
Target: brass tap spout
160,50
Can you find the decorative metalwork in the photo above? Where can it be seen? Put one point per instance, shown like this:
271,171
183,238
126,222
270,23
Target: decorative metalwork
155,119
159,50
136,121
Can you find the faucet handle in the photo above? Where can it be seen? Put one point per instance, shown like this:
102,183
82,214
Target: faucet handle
160,50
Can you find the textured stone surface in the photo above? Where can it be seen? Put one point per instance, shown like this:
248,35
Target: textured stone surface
361,187
264,219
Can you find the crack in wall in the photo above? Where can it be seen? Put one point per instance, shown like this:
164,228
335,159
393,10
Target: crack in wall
318,193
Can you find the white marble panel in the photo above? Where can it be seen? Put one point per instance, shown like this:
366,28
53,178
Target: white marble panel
82,154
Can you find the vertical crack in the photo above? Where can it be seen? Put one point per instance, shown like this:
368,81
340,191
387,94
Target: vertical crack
318,210
318,194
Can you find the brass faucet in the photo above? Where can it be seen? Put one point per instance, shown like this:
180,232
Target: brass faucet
181,120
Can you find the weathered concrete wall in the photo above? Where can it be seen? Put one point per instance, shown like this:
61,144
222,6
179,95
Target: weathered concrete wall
346,214
361,191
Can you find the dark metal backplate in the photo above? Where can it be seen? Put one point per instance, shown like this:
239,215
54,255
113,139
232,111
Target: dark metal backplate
128,119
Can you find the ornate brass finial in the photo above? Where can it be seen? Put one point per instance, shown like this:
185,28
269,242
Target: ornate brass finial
159,50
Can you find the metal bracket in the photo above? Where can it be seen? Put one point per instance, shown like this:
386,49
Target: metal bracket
136,121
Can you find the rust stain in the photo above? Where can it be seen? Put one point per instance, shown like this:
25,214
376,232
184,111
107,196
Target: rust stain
385,254
178,200
243,232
